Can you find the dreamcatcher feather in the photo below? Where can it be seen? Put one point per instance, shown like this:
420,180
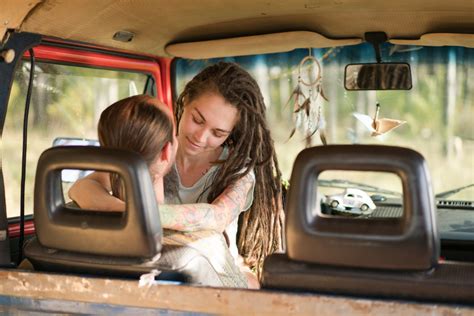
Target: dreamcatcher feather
307,111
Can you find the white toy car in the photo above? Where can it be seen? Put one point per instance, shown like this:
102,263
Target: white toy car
351,201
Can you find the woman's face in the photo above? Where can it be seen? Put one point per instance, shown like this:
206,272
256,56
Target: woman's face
206,123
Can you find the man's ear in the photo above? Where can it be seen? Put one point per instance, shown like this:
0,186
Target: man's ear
161,165
166,155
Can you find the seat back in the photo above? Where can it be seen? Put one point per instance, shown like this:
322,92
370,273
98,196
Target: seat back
124,244
377,257
409,242
134,233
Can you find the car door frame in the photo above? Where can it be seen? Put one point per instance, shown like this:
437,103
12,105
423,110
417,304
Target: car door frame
57,51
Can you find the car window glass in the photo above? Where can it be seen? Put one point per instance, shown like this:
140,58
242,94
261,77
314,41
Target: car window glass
66,102
436,114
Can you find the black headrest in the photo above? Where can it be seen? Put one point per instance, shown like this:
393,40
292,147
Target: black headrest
407,243
134,233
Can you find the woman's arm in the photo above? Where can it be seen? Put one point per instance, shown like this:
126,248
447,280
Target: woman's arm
91,192
216,216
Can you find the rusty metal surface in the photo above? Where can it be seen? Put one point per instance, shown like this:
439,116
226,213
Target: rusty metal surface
42,286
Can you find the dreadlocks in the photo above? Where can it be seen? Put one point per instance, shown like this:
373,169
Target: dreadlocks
250,148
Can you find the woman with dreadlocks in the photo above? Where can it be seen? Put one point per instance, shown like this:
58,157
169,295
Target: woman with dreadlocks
225,148
225,165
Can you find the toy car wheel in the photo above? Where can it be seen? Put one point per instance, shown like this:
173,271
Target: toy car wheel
364,208
334,204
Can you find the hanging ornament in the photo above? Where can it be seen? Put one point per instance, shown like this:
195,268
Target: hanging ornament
307,111
378,126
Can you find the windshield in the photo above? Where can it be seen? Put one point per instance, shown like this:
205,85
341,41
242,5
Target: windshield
436,114
434,117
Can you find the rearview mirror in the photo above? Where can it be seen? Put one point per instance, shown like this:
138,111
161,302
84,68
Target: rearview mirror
379,76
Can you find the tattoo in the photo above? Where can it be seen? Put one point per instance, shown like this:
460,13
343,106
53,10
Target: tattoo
216,216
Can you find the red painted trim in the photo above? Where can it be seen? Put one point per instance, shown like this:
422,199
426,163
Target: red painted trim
100,60
104,49
165,64
14,229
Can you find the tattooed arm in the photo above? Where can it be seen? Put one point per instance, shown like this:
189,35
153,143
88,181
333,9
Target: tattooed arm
216,216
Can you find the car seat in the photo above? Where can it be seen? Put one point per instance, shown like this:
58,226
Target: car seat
377,257
124,244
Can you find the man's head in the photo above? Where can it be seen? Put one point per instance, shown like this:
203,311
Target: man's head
142,124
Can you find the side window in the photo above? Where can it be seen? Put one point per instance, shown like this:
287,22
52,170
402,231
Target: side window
66,102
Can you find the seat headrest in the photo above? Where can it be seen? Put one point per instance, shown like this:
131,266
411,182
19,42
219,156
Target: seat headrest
137,232
410,242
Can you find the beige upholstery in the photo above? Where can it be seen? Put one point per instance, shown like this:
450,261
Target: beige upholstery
439,39
252,45
12,13
160,25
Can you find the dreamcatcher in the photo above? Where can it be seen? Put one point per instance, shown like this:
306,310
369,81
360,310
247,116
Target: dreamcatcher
308,116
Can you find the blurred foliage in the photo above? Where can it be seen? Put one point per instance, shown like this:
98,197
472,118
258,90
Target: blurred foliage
66,101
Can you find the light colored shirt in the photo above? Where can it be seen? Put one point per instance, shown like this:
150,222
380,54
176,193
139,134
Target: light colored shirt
198,194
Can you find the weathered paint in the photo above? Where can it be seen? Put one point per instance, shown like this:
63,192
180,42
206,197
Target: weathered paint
174,298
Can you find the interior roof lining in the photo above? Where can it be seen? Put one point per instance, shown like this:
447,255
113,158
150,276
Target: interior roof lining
12,14
187,27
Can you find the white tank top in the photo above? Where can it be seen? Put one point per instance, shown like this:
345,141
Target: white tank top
194,194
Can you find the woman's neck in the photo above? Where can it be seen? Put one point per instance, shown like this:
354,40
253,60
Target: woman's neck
193,168
186,162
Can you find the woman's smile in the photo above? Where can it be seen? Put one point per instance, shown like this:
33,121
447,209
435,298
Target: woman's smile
193,144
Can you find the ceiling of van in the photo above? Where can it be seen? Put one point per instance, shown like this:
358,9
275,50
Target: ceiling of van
158,25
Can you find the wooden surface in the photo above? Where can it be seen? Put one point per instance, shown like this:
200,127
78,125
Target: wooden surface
17,286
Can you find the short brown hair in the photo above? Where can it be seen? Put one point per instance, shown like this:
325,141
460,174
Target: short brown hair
135,124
